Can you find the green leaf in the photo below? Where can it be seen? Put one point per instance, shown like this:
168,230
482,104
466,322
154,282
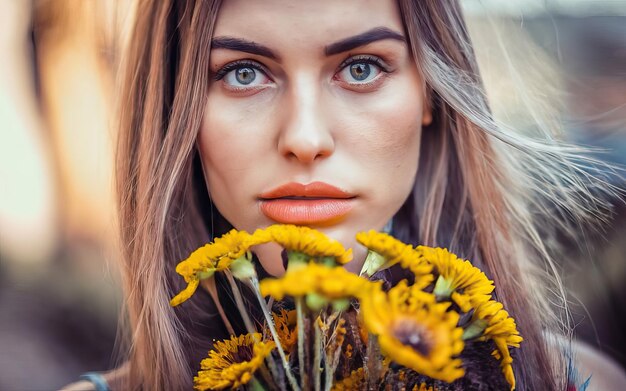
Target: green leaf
475,329
328,261
341,304
316,302
206,274
296,259
242,268
373,263
443,288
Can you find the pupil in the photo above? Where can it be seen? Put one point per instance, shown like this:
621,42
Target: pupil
360,71
245,75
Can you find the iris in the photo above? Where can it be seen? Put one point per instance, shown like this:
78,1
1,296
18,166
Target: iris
245,75
360,71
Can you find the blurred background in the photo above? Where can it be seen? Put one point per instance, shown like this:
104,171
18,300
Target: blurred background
59,284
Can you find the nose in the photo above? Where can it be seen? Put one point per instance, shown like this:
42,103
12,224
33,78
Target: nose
305,135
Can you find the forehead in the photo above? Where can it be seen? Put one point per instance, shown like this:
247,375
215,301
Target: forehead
293,23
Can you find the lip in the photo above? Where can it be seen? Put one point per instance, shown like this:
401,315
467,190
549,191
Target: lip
313,203
312,190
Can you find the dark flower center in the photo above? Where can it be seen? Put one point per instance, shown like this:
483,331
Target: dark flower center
242,354
413,334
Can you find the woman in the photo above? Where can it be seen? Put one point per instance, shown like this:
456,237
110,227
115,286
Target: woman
344,116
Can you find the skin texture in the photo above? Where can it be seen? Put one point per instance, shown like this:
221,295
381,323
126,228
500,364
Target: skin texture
305,118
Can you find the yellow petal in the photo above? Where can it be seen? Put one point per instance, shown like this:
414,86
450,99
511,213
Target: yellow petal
185,294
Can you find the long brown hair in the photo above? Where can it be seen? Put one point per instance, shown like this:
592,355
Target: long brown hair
481,190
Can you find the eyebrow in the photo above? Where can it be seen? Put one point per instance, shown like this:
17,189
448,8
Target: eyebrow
372,35
243,45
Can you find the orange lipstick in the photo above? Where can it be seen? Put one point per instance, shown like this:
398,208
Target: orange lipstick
315,203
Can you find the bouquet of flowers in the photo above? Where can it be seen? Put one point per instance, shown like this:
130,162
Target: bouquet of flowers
324,328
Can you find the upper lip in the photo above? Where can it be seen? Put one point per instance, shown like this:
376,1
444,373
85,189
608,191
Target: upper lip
311,190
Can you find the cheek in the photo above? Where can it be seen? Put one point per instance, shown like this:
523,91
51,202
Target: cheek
229,144
233,137
217,147
229,135
390,132
388,146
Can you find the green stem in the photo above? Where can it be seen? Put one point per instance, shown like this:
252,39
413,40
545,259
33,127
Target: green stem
246,319
316,356
209,286
256,385
373,367
270,324
333,361
240,304
333,368
300,325
328,372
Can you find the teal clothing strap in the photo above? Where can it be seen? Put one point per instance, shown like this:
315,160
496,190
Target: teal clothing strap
97,380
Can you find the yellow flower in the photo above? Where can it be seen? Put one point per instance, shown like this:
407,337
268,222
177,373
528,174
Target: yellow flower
304,240
458,280
355,381
501,328
211,258
394,251
384,244
415,331
286,328
216,256
314,279
232,363
502,353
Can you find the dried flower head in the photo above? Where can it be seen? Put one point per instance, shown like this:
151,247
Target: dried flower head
286,328
355,381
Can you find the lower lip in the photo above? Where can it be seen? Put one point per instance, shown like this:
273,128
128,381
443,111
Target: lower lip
299,211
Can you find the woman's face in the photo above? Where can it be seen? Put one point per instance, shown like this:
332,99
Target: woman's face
313,117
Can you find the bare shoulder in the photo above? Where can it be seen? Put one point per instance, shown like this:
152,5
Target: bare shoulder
606,374
114,380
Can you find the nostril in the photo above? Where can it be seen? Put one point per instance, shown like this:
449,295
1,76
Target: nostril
307,148
308,155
